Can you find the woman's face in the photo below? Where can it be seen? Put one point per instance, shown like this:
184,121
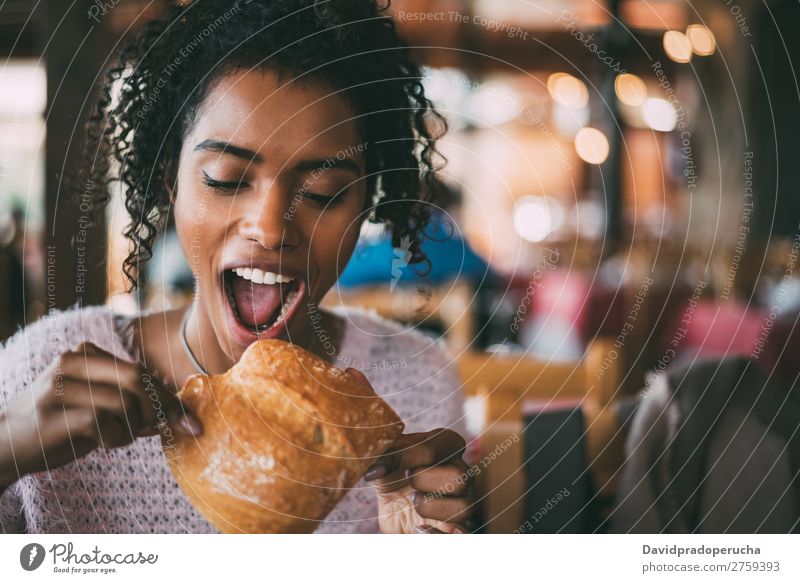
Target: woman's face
269,201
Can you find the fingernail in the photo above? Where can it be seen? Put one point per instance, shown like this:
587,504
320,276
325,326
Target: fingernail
190,424
374,472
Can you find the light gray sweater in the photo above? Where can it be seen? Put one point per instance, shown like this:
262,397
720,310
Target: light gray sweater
131,490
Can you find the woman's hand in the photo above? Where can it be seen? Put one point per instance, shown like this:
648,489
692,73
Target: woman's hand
423,484
86,399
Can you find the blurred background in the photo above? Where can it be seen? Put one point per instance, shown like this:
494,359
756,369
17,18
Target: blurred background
619,195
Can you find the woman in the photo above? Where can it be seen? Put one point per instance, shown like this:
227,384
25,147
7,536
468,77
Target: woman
268,131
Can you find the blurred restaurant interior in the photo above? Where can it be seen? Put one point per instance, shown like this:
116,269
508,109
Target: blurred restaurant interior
617,198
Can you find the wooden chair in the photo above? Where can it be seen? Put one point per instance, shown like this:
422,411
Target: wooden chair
498,386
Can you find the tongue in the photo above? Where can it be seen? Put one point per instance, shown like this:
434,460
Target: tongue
256,303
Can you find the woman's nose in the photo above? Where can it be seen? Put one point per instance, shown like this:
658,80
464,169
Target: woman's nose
269,222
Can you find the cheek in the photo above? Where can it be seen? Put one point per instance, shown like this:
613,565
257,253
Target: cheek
333,242
193,228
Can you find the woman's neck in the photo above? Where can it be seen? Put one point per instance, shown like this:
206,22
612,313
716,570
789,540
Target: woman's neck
204,345
159,336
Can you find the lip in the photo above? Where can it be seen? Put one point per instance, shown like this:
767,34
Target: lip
240,333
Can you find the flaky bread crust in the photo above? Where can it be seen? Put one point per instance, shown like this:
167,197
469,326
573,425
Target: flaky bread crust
285,435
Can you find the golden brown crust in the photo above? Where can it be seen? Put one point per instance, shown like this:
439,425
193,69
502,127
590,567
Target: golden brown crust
285,435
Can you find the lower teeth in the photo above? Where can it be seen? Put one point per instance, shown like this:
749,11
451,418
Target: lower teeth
287,303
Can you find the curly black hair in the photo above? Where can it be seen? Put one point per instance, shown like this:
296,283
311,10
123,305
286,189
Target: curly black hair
149,98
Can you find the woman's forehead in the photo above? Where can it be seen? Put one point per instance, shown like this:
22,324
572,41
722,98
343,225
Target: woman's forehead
258,109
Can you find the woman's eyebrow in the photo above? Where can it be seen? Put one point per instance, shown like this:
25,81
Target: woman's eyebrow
328,164
228,148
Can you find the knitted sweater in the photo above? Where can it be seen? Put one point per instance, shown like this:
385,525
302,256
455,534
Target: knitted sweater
131,490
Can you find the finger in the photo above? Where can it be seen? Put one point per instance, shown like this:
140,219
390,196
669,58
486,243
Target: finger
167,407
56,440
95,395
112,430
450,528
90,348
92,363
452,480
390,482
412,450
89,429
427,529
445,509
142,412
438,447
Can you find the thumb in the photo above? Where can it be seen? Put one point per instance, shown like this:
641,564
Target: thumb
177,413
388,474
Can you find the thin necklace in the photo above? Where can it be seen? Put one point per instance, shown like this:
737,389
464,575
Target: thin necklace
185,343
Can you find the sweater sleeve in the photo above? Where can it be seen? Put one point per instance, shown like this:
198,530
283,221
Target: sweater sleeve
12,519
20,361
25,355
32,349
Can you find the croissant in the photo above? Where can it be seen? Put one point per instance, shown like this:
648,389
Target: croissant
285,435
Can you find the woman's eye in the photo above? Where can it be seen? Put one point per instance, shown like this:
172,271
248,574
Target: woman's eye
230,186
321,200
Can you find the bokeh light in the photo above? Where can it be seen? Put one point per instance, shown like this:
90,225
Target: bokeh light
702,40
568,90
659,114
532,219
591,145
630,89
677,46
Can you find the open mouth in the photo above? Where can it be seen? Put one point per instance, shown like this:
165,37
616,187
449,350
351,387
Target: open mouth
262,302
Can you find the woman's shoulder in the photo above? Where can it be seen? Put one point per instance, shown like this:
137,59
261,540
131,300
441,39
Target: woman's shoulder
35,346
65,328
410,369
377,334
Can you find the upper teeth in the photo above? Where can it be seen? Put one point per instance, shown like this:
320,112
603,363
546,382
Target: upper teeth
258,276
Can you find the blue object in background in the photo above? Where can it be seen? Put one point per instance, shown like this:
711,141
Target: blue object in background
377,261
